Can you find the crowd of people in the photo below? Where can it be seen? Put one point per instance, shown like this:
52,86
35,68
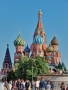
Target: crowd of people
20,84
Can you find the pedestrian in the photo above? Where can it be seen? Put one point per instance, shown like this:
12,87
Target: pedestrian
22,85
9,85
14,86
18,84
5,84
48,86
52,85
42,84
27,85
37,84
33,85
62,87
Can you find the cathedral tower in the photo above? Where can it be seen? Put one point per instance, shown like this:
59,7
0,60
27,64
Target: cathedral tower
37,46
19,44
55,43
7,64
40,30
56,54
52,52
39,38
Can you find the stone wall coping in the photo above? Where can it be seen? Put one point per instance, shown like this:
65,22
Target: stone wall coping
53,75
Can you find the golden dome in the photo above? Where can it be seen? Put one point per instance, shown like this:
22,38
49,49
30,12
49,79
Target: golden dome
40,13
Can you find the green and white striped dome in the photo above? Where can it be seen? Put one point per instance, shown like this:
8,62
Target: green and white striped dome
49,48
19,41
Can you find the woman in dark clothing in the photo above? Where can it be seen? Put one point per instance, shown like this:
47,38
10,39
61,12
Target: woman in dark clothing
62,86
22,85
52,85
27,85
18,84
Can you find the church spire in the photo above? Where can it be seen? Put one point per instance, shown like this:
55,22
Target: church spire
7,50
7,60
39,24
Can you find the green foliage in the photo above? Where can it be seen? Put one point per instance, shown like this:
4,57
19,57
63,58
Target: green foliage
11,75
22,67
16,65
25,66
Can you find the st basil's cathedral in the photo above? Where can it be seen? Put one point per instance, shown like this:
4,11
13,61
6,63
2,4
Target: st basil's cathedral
38,48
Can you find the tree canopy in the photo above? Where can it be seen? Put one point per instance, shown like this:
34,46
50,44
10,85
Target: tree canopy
24,68
11,75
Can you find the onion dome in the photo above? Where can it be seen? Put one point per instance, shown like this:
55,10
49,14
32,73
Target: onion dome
54,41
38,40
39,24
27,49
49,48
19,41
40,13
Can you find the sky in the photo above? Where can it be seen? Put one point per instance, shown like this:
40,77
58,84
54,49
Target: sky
22,15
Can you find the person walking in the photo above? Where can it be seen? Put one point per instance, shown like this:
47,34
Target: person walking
42,84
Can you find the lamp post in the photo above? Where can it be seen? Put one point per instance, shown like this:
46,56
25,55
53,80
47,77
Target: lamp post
32,68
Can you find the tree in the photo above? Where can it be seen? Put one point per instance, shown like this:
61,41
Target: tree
21,67
11,75
24,69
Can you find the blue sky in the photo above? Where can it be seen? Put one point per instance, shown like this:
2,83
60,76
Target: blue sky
15,14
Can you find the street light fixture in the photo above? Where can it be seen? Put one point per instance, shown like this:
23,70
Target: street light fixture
32,68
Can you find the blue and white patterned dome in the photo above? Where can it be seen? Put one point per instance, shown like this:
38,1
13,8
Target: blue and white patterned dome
38,40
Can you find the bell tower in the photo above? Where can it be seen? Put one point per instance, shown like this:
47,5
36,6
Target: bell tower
7,64
19,44
40,31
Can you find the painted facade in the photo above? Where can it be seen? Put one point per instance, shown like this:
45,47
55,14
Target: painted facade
39,46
